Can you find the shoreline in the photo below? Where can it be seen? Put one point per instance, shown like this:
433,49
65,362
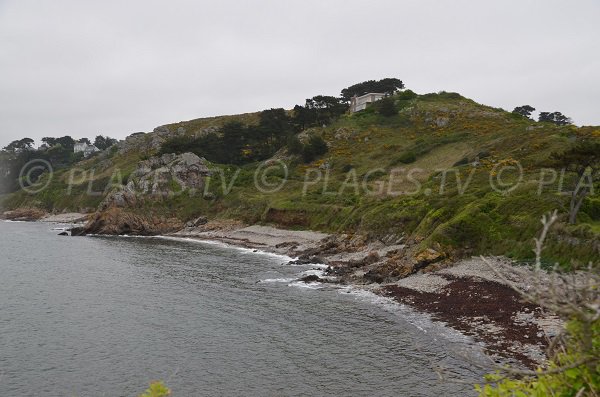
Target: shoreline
465,295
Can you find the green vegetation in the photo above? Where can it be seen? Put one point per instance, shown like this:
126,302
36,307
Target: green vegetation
573,368
385,86
554,117
157,389
524,111
570,373
353,175
55,153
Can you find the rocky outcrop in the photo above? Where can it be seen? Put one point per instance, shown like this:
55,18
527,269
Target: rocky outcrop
160,177
24,214
116,221
154,179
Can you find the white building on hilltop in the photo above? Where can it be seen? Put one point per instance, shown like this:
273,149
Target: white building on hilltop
87,150
358,103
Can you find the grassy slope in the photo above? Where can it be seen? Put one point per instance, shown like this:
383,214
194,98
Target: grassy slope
478,221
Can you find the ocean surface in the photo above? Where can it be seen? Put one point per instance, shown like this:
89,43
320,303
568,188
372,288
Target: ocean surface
105,316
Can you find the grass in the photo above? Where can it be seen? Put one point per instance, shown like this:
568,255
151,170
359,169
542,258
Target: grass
458,211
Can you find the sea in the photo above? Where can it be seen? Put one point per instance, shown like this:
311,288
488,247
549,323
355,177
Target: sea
105,316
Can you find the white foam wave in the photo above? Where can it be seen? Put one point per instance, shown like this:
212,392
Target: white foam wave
228,246
302,284
313,272
277,280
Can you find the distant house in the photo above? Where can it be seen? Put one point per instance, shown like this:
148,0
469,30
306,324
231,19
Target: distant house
358,103
87,150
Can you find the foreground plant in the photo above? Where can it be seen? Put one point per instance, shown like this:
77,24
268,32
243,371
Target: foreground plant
573,367
157,389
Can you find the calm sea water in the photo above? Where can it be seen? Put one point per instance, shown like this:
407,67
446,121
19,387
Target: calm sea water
95,316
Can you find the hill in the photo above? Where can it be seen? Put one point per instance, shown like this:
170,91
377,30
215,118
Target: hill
441,172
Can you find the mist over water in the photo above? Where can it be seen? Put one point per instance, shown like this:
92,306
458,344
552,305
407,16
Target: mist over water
96,316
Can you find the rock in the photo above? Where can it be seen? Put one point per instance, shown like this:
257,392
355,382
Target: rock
202,220
374,277
77,231
116,221
24,214
160,177
311,278
163,129
428,256
63,234
441,121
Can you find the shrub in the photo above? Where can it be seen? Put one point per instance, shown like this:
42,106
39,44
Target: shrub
315,147
406,95
407,157
157,389
346,168
294,145
386,107
591,206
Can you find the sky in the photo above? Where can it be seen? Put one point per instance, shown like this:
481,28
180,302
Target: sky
84,68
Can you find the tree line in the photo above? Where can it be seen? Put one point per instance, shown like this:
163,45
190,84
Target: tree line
548,117
239,144
57,151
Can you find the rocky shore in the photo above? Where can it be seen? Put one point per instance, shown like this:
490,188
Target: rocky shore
38,215
467,295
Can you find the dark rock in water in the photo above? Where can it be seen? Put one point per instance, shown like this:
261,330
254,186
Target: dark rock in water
306,260
78,231
299,262
63,234
311,278
254,250
374,277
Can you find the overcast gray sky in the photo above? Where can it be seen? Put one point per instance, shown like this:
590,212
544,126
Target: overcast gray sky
115,67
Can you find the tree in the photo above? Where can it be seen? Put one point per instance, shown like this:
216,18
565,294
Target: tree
584,161
104,142
554,117
84,140
387,86
322,109
315,147
275,125
524,110
386,107
19,145
49,141
66,142
234,139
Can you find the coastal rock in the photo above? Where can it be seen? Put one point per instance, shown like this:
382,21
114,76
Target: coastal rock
311,278
159,177
24,214
116,221
202,220
428,256
77,231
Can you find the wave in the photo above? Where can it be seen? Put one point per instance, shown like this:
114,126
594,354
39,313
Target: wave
277,280
229,246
